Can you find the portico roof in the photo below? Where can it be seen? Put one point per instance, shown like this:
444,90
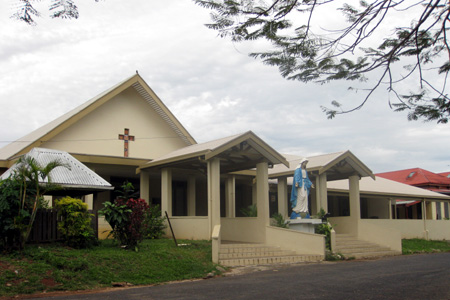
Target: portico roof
237,152
386,188
339,165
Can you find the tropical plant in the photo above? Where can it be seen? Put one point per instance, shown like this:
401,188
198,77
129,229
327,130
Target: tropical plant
279,221
126,191
117,217
128,220
75,222
325,228
34,182
371,39
9,206
250,211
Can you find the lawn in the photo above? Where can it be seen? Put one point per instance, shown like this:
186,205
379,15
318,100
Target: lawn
414,246
54,267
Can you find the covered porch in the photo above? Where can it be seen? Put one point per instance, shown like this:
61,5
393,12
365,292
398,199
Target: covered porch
204,187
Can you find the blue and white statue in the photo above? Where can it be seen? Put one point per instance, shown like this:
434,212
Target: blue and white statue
300,191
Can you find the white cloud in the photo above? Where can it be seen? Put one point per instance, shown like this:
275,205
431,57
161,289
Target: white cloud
210,84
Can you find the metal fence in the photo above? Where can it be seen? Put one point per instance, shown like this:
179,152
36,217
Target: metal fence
45,226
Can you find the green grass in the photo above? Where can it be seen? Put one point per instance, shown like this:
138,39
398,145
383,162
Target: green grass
55,267
413,246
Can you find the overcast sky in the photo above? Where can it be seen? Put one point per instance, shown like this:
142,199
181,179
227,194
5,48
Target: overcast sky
209,83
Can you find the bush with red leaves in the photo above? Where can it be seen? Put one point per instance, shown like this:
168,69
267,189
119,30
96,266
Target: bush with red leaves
135,228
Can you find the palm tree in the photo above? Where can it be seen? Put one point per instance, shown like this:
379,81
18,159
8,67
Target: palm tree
35,180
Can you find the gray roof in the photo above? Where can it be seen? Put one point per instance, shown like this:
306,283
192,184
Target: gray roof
228,148
385,187
337,165
77,177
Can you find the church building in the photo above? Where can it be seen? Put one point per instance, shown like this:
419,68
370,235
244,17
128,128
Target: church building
127,133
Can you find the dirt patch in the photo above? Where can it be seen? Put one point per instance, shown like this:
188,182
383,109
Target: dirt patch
48,281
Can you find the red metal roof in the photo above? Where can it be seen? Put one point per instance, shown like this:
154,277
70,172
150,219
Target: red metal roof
445,174
417,177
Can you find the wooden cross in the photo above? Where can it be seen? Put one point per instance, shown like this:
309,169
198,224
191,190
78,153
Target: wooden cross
126,137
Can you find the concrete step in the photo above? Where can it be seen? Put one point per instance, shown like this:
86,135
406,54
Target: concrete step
349,246
347,251
269,260
372,254
233,255
247,254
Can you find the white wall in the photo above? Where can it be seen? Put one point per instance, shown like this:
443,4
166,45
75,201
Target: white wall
243,230
189,228
300,242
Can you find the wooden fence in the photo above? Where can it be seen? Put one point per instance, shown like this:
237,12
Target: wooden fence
45,227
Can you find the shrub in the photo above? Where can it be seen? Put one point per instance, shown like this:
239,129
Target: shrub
128,220
9,209
136,227
324,228
250,211
279,221
75,222
155,222
117,217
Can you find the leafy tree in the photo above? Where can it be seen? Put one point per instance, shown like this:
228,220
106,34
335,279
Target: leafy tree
304,51
64,9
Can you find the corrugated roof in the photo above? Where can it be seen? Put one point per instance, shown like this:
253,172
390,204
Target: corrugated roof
78,176
416,176
135,81
385,187
314,162
322,163
215,147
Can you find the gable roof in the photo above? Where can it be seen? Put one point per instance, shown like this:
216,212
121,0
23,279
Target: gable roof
234,149
416,176
337,165
46,132
386,188
77,177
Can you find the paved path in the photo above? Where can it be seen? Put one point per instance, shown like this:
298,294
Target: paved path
401,277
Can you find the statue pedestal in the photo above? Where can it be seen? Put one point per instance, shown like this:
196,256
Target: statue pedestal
304,225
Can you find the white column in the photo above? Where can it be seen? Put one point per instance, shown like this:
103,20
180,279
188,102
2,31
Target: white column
424,217
230,200
321,192
191,195
355,203
282,196
262,192
254,190
390,208
144,177
89,200
166,191
214,192
433,210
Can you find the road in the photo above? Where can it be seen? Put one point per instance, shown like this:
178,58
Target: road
401,277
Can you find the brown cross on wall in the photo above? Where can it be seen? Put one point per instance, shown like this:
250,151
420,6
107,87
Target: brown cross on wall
126,137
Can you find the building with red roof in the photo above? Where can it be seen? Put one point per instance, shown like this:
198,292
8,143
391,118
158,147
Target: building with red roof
436,182
418,177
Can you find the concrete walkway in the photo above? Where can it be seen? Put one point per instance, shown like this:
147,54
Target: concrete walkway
399,277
